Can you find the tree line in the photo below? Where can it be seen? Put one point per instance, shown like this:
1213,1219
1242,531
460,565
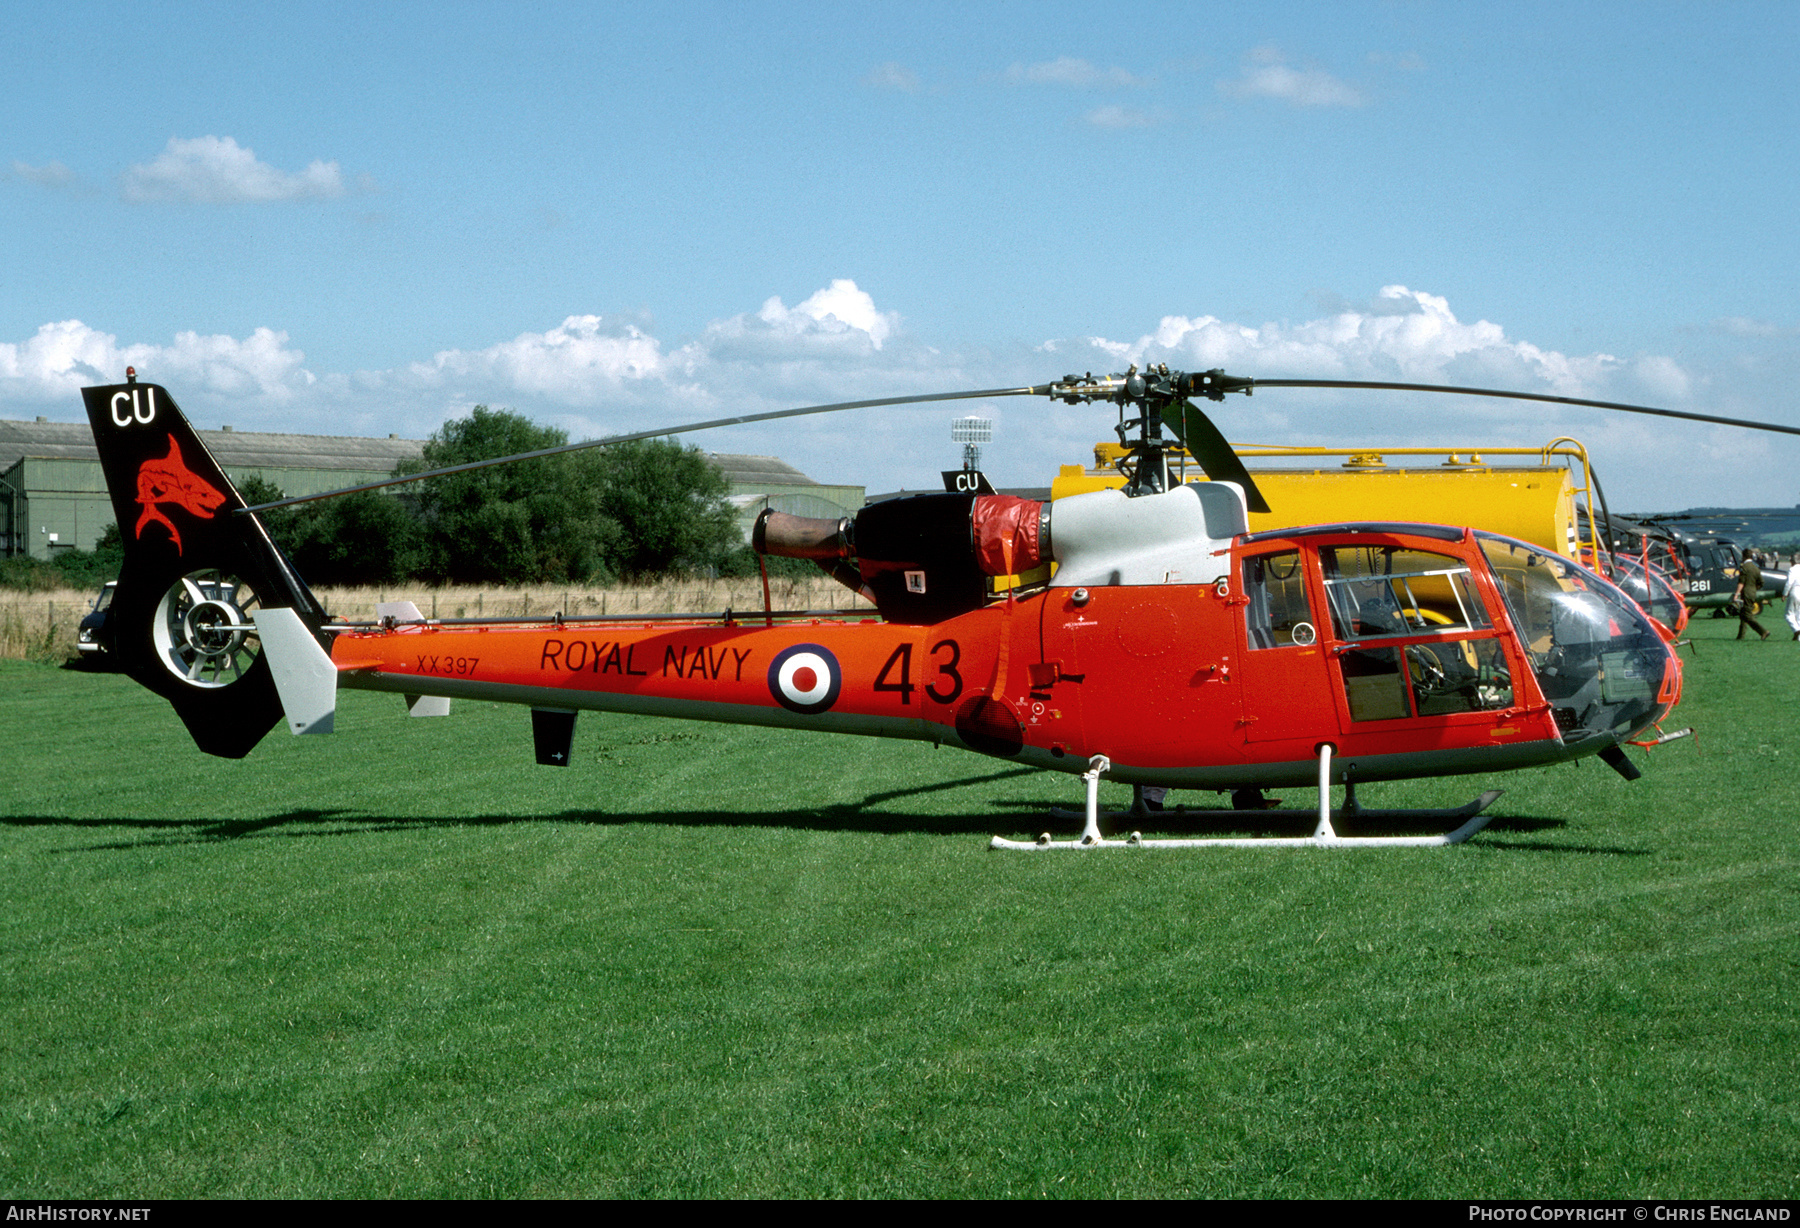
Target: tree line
629,511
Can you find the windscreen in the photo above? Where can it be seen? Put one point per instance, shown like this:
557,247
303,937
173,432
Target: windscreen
1597,658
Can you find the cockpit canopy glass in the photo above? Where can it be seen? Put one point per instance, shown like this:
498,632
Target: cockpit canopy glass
1597,658
1646,585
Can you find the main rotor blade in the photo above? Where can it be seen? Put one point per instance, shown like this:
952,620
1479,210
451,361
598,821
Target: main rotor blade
1524,396
1038,391
1213,454
1206,444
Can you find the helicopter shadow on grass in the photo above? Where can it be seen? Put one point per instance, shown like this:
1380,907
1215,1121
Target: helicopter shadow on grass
1290,821
868,814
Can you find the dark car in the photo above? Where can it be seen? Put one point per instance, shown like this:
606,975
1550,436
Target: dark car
91,640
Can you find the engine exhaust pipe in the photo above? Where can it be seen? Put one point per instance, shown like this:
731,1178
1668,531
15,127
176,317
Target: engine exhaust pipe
802,537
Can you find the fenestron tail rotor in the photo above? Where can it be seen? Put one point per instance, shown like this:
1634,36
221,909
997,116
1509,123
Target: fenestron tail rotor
195,582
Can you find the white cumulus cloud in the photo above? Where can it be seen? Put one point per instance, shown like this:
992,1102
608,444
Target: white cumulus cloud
595,375
893,76
215,170
1067,70
1404,335
1266,74
578,362
63,357
839,314
600,374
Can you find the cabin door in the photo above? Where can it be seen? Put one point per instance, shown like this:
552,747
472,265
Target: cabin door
1286,685
1412,642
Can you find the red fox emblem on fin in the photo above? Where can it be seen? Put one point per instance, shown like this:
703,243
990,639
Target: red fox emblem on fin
169,480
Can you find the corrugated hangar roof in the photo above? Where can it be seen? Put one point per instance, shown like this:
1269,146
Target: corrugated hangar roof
234,449
758,470
270,450
57,440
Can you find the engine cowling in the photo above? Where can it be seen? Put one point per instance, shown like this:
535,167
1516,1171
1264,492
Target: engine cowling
921,558
924,558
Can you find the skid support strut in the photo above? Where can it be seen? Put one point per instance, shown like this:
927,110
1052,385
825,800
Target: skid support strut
1324,831
1090,834
1324,834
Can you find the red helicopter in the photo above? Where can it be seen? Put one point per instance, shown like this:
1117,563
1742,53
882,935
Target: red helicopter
1166,647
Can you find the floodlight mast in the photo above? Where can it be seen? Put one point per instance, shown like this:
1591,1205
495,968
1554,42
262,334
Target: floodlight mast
971,432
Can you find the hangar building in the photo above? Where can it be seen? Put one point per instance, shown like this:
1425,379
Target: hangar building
53,494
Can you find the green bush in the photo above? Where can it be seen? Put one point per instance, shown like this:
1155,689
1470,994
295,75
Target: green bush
636,510
741,562
28,575
80,569
368,538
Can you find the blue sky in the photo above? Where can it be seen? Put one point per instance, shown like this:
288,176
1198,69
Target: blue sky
367,218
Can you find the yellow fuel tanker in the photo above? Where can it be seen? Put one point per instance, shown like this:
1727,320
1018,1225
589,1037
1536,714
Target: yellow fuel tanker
1535,496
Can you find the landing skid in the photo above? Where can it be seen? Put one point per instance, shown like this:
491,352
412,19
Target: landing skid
1324,836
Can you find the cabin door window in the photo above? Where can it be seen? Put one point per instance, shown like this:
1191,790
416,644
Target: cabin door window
1414,639
1278,614
1286,686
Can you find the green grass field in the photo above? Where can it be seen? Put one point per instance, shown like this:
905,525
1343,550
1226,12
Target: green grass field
403,960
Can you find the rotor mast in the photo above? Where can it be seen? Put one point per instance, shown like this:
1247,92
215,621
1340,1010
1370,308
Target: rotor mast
1163,396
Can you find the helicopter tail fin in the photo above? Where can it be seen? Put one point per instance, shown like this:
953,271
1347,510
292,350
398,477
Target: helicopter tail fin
197,572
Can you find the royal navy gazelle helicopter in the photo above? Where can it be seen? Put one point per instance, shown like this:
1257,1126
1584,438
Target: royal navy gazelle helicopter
1170,647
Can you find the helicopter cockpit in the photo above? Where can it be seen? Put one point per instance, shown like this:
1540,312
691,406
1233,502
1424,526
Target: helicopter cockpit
1413,622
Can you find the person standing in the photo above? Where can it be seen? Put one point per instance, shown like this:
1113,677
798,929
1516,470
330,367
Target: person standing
1792,595
1749,588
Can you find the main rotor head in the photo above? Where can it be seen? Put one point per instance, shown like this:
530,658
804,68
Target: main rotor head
1163,398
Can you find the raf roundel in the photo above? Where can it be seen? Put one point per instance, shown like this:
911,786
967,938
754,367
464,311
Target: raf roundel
805,679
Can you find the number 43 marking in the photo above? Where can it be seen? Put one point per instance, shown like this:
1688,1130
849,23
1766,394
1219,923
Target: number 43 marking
902,662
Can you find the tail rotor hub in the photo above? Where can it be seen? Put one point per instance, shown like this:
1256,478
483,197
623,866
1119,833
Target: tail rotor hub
204,631
214,629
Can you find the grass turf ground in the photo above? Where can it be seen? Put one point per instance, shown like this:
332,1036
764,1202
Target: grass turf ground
706,960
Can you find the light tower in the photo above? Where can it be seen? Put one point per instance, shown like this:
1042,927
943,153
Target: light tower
971,433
